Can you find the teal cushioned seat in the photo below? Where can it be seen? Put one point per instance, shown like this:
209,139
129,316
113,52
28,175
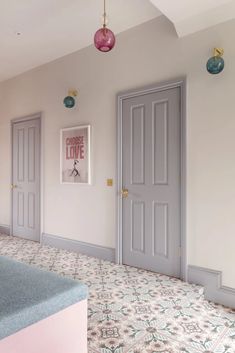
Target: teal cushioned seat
28,295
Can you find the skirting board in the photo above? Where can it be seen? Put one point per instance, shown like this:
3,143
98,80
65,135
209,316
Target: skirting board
5,230
212,282
78,246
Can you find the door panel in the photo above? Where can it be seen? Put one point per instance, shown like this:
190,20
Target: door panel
26,179
151,173
137,144
160,229
160,142
137,226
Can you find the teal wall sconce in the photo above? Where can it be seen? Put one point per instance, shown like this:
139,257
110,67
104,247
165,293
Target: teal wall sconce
215,64
69,101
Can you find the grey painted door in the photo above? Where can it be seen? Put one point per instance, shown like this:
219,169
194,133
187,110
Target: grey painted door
151,181
26,179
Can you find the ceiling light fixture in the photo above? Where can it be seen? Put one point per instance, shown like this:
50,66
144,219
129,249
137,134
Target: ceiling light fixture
104,38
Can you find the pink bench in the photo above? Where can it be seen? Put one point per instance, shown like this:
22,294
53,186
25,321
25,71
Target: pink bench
40,312
64,332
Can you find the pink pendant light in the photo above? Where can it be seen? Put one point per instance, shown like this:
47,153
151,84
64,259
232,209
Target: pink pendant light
104,38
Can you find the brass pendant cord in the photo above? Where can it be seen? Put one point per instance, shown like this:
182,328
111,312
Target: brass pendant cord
104,25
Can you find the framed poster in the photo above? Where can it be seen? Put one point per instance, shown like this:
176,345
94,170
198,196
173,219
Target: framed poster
75,155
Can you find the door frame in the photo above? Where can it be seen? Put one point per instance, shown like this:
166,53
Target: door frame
36,116
180,83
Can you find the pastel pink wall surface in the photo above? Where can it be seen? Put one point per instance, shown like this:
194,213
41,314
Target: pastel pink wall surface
64,332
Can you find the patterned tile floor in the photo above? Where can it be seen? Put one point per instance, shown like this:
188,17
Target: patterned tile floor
132,310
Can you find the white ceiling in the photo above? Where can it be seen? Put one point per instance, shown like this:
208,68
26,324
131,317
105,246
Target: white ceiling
190,16
53,28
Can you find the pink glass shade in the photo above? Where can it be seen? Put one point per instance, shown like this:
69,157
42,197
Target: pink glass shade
104,39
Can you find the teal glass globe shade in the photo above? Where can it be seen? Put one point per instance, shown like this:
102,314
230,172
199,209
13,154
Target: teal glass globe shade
215,65
69,102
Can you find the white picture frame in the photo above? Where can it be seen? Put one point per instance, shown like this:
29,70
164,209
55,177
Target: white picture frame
75,159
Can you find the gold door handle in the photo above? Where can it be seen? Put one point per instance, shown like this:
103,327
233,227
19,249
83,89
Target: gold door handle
13,186
125,193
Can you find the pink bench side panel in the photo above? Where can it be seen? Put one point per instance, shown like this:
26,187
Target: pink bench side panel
64,332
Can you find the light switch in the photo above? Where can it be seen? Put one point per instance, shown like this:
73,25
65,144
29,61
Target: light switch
109,182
